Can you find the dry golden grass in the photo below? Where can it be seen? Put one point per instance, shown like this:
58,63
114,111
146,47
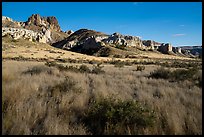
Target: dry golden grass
34,104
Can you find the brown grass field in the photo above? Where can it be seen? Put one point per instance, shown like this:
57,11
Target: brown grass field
45,100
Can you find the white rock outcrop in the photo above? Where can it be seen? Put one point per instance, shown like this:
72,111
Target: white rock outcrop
17,33
6,18
126,40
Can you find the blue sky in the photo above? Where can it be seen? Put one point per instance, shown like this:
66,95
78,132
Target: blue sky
179,23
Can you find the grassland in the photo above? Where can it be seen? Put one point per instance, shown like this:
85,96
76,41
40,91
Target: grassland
38,99
47,91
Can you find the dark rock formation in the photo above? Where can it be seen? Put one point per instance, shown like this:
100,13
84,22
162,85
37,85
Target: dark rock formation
176,49
151,44
165,48
89,46
69,32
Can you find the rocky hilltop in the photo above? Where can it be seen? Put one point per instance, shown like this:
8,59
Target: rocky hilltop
36,22
36,28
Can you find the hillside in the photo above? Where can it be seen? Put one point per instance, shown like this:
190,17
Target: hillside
90,42
195,50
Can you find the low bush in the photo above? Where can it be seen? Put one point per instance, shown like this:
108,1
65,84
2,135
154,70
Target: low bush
181,74
37,70
65,86
104,52
118,63
98,69
122,47
161,73
131,56
61,67
117,56
178,75
198,81
51,63
112,116
61,60
180,64
84,69
140,68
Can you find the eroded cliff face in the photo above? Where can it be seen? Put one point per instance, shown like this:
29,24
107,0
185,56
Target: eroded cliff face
36,22
36,28
17,33
125,40
151,44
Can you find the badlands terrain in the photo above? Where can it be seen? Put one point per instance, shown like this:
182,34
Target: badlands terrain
89,83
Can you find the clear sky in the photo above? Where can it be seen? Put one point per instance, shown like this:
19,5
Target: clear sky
179,23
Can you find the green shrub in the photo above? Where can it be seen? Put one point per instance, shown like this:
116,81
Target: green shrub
104,52
117,56
84,69
180,64
161,73
131,56
65,86
59,66
198,81
94,62
157,94
182,74
37,70
140,68
118,63
61,60
122,47
50,63
127,63
98,69
178,75
111,116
